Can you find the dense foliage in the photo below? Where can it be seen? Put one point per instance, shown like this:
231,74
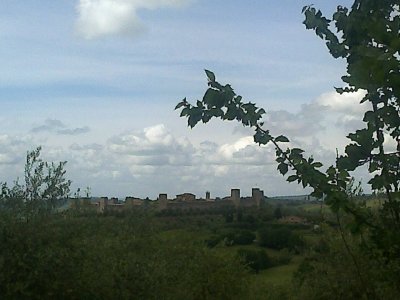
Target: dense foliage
46,252
279,238
96,257
256,259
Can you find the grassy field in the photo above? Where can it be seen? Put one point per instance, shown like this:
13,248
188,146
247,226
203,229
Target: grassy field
274,283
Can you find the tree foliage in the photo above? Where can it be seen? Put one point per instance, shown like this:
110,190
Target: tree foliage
367,37
279,238
45,186
257,260
109,257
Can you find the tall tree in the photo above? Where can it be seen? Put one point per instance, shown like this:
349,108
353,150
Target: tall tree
45,186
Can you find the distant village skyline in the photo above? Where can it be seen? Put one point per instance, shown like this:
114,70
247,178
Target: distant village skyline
182,202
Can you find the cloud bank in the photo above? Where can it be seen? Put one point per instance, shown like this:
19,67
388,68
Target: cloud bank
145,162
98,18
58,127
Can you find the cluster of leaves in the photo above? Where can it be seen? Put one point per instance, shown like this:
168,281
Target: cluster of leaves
45,187
367,36
220,101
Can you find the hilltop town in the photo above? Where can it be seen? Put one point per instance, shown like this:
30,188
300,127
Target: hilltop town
185,201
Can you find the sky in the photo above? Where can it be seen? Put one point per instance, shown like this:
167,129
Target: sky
95,83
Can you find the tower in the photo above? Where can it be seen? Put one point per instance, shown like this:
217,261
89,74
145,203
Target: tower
257,196
162,201
235,197
103,204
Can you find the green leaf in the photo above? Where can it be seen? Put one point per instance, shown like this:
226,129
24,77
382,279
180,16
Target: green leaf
180,104
238,99
210,75
206,117
231,113
216,112
305,8
296,151
261,111
317,164
185,111
212,98
262,138
369,116
339,90
282,139
280,159
292,178
195,115
283,168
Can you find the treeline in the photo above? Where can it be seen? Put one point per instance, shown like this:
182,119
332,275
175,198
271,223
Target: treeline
96,257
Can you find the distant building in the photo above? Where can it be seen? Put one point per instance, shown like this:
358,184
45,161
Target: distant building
186,197
185,201
188,201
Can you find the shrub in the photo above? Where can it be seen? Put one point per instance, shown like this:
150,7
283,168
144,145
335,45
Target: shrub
244,237
279,238
213,241
255,259
232,237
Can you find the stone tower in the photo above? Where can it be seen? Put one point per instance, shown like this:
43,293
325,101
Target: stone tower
257,196
103,204
162,201
235,197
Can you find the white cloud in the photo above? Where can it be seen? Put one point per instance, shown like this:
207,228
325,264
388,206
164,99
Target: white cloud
73,131
347,103
154,159
12,149
109,17
333,113
58,127
153,146
49,125
12,157
244,152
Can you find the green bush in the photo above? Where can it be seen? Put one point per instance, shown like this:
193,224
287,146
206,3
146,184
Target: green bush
283,258
279,238
244,237
255,259
232,237
213,241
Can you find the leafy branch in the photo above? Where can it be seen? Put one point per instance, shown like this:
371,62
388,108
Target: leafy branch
220,101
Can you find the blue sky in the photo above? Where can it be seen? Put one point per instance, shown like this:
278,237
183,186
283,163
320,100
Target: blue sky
95,83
